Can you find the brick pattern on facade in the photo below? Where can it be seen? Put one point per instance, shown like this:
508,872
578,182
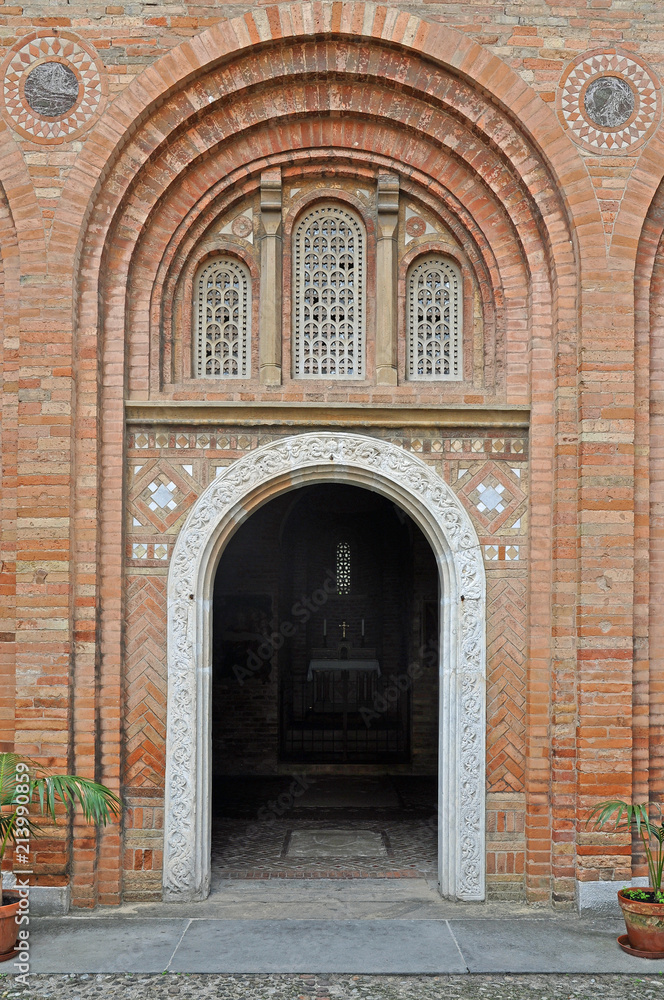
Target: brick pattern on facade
145,683
129,40
180,463
95,235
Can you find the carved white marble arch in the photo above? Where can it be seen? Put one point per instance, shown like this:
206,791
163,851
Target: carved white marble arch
228,501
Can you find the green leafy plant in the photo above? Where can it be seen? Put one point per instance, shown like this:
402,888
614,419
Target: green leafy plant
635,818
25,783
643,895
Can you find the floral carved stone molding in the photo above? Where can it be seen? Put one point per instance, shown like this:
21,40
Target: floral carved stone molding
229,499
53,88
609,102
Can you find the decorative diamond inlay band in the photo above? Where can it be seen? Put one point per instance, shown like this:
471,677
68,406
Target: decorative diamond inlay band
495,492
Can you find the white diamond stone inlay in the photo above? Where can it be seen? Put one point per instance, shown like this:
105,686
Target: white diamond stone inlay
491,498
162,496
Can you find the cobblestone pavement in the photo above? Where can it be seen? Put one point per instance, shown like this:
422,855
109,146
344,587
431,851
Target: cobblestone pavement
303,987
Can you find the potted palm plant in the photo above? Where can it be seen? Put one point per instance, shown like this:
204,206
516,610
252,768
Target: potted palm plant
25,784
642,908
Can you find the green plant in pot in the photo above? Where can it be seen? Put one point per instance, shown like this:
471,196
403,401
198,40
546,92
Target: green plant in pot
642,908
27,788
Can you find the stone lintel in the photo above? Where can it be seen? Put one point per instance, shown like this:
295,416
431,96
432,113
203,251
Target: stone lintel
275,414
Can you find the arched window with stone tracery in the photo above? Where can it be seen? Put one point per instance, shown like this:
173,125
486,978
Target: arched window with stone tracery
434,319
329,265
223,319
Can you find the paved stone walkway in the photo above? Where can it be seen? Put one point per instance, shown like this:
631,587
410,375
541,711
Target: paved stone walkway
369,927
303,987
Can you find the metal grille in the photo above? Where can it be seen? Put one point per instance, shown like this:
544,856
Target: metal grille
328,271
434,320
344,716
223,327
343,568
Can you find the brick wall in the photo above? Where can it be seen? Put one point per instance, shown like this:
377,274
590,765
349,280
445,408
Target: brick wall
100,231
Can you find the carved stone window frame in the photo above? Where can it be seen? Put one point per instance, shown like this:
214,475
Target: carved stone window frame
226,503
175,315
232,262
478,335
295,206
445,263
330,209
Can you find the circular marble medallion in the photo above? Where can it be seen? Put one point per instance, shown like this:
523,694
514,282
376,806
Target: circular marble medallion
609,102
53,87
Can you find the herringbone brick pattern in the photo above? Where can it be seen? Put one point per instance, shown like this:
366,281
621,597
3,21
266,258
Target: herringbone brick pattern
506,689
145,682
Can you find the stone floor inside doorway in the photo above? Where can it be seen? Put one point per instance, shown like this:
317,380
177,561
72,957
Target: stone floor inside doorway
308,827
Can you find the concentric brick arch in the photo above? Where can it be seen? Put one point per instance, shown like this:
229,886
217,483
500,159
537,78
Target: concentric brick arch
154,265
164,277
186,183
443,45
295,22
114,209
231,498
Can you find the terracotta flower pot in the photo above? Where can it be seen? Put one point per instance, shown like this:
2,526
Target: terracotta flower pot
645,925
8,927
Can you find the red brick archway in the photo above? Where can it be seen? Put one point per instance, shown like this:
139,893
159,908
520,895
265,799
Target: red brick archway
506,174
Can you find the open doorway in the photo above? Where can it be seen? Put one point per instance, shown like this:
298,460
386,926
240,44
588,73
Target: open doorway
325,690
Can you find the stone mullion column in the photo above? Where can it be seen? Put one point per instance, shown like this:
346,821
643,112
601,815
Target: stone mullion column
386,279
269,334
